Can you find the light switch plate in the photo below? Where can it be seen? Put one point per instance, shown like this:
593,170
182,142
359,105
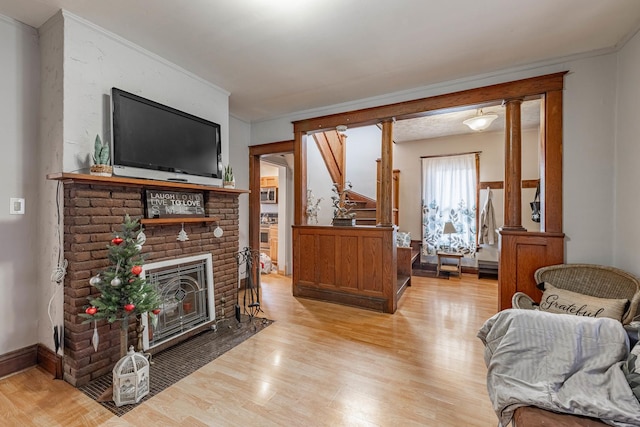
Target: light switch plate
16,206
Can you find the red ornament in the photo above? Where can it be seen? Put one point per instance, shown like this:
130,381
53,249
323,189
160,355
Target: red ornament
117,240
129,307
156,311
136,269
91,310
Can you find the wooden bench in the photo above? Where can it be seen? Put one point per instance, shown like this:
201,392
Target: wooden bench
406,258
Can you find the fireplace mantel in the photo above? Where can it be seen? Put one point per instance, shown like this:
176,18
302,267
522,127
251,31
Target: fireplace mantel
79,178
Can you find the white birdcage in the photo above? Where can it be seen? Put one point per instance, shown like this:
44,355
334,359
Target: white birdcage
130,378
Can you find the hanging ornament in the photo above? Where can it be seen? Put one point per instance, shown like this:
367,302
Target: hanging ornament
95,280
95,340
116,282
117,240
91,310
129,307
156,311
141,238
136,270
138,248
182,235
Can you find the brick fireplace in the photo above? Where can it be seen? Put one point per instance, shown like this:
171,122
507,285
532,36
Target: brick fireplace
94,208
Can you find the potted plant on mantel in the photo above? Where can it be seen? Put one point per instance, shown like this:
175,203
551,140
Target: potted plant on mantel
101,159
228,181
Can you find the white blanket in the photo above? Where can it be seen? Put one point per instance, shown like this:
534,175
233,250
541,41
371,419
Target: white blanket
562,363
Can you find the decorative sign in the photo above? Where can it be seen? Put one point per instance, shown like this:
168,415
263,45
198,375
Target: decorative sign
173,204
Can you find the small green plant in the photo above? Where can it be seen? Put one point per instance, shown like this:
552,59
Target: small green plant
100,152
228,173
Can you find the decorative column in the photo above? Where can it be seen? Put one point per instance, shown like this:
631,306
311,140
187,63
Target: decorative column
386,175
513,167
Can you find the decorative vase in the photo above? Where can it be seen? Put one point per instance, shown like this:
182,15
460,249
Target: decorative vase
229,184
101,170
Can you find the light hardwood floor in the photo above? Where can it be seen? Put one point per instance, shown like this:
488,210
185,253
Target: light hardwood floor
319,364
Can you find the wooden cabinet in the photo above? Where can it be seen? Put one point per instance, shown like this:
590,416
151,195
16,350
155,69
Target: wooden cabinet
269,181
273,243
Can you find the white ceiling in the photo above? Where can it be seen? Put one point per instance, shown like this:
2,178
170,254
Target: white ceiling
277,57
447,124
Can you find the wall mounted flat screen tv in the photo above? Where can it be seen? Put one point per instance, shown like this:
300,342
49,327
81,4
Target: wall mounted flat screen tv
154,141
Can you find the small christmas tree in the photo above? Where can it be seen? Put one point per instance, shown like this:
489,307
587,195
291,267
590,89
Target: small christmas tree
123,293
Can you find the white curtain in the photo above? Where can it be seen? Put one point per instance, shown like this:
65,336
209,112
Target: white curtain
449,194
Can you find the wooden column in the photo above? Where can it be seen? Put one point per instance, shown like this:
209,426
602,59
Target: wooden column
386,175
513,167
551,163
300,177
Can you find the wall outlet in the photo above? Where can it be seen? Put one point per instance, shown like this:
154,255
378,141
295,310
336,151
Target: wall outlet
16,206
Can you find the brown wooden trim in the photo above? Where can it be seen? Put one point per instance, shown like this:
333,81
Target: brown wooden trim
300,180
78,178
551,165
494,185
451,155
420,107
17,360
477,160
50,361
499,185
255,151
271,148
530,183
186,220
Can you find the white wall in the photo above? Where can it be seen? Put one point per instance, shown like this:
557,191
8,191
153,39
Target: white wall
588,160
50,223
319,182
363,149
627,158
96,60
239,139
19,86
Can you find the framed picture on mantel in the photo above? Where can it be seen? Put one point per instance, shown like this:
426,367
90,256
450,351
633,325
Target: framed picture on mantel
174,204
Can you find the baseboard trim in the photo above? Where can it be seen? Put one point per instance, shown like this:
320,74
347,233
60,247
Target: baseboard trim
17,360
23,358
50,361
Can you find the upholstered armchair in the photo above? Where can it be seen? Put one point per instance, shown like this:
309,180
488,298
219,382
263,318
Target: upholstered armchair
590,280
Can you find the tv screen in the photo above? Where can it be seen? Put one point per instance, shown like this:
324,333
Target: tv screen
154,141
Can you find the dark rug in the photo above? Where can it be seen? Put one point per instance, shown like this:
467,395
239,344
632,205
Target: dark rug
171,365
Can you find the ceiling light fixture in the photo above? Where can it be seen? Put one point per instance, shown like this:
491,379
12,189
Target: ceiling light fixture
480,121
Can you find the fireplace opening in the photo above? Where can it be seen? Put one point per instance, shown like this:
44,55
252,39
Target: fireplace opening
185,286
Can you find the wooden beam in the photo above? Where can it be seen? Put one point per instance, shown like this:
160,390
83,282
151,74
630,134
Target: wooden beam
420,107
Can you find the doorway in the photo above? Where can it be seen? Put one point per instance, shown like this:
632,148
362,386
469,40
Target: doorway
271,169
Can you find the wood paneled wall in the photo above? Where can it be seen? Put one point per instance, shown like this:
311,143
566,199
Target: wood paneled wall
348,265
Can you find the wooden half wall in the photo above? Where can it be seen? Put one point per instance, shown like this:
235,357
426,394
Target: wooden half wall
348,265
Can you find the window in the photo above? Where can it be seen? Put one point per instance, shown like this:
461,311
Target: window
449,195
